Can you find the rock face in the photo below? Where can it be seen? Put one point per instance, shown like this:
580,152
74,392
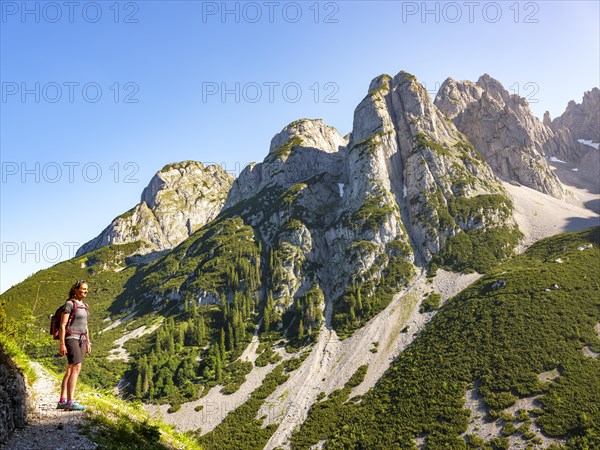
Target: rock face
349,213
13,397
179,199
322,149
504,130
338,224
581,119
577,135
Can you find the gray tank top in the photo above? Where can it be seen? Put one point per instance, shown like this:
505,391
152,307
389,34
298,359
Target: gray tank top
79,323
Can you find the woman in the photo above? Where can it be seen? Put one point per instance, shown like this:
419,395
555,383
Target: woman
74,343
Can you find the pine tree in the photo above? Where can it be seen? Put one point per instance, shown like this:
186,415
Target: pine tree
267,318
150,375
218,367
181,336
359,302
201,329
157,346
231,334
138,386
222,344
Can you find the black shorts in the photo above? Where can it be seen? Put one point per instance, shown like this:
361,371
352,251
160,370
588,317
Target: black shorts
76,349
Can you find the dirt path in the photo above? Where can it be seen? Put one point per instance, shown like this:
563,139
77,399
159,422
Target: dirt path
49,428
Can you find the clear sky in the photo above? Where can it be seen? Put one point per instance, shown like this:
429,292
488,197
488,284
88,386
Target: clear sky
98,96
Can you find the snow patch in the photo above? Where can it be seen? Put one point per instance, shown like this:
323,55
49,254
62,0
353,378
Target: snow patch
589,142
341,188
405,190
575,169
555,159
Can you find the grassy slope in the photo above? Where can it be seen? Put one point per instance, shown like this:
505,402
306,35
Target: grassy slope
30,303
500,338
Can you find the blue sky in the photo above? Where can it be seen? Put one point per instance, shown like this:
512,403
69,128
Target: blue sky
98,96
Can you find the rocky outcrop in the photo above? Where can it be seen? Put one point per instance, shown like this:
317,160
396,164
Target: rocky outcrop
503,129
13,397
547,121
179,199
291,199
302,149
347,211
581,119
349,220
424,161
576,135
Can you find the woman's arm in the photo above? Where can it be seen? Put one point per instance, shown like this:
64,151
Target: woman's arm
62,333
89,344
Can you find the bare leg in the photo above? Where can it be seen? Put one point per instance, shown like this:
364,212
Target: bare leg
72,381
65,381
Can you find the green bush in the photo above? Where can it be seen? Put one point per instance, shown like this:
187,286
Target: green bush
174,408
508,429
497,339
431,302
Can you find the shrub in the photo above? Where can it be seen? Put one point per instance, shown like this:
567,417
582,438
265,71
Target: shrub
508,429
431,302
174,408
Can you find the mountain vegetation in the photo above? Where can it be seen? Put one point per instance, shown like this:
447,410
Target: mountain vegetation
305,250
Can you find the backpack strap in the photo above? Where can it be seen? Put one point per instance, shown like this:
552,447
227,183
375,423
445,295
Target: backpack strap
72,317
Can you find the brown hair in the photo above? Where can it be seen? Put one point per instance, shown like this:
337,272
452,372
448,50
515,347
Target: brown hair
75,287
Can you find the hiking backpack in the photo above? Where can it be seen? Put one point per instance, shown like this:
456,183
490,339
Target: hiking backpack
56,318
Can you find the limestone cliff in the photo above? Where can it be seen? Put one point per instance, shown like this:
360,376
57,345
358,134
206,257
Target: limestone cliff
582,119
179,199
504,130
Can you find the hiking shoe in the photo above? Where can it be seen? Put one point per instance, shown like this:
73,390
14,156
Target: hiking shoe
61,405
74,406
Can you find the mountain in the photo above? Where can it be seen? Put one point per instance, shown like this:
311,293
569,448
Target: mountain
179,199
498,367
581,119
503,128
577,136
319,271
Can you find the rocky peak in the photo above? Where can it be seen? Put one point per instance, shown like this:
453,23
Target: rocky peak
504,130
454,96
313,133
581,119
349,221
403,143
300,151
179,199
547,119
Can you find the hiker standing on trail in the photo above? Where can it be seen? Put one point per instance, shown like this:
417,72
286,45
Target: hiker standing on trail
74,343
